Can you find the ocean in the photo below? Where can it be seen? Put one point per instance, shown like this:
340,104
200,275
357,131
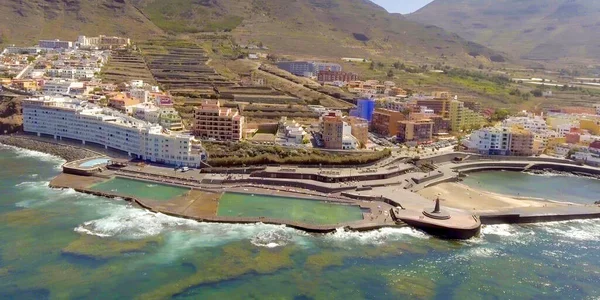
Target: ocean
57,244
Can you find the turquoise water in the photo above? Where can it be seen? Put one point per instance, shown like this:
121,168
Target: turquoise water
140,189
59,244
553,187
300,210
94,162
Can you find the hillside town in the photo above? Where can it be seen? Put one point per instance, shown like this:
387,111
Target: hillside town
65,76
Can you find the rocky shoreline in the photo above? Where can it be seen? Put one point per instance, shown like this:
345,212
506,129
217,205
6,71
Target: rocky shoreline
66,152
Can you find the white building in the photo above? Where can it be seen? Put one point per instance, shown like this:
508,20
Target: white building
294,133
349,142
62,87
67,118
490,141
535,124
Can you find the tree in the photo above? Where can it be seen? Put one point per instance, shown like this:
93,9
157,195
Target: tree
396,65
500,114
380,65
372,66
390,73
537,93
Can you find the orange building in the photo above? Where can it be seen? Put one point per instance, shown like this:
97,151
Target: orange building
333,131
211,121
522,142
385,122
121,100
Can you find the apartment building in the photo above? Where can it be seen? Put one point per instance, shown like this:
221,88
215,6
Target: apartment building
63,87
85,122
535,124
385,122
211,121
440,106
337,134
121,101
102,42
308,68
522,142
463,118
332,76
55,44
415,131
333,131
490,141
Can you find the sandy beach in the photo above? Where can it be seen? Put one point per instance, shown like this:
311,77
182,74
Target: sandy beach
461,196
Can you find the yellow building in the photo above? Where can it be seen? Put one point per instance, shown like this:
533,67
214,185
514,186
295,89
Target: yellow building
25,84
593,126
463,118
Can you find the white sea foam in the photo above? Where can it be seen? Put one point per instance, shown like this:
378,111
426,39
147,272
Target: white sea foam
508,234
579,230
499,230
130,222
479,251
375,237
33,184
26,153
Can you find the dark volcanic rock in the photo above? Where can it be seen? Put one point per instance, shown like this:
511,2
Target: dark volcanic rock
66,152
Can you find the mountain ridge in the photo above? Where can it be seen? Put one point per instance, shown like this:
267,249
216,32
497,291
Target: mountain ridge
303,27
535,29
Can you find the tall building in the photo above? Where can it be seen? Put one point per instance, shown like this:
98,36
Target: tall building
82,121
332,131
364,109
337,133
522,142
415,131
490,141
385,122
462,118
211,121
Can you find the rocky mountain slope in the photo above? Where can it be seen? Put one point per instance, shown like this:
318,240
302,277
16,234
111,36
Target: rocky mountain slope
356,28
533,29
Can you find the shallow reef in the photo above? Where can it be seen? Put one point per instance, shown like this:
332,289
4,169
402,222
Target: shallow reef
103,248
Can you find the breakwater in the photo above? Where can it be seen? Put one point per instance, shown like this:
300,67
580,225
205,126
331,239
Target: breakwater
66,152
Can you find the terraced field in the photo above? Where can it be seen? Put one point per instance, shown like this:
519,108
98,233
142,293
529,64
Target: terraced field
182,69
125,66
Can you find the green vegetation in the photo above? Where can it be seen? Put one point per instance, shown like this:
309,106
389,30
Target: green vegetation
236,260
239,154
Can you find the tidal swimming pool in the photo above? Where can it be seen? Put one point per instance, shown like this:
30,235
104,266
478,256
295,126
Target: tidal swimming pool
293,209
140,189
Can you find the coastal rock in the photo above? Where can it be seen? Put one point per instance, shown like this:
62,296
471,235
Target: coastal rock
66,152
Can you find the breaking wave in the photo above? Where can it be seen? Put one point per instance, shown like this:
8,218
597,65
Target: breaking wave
130,222
579,230
26,153
375,237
